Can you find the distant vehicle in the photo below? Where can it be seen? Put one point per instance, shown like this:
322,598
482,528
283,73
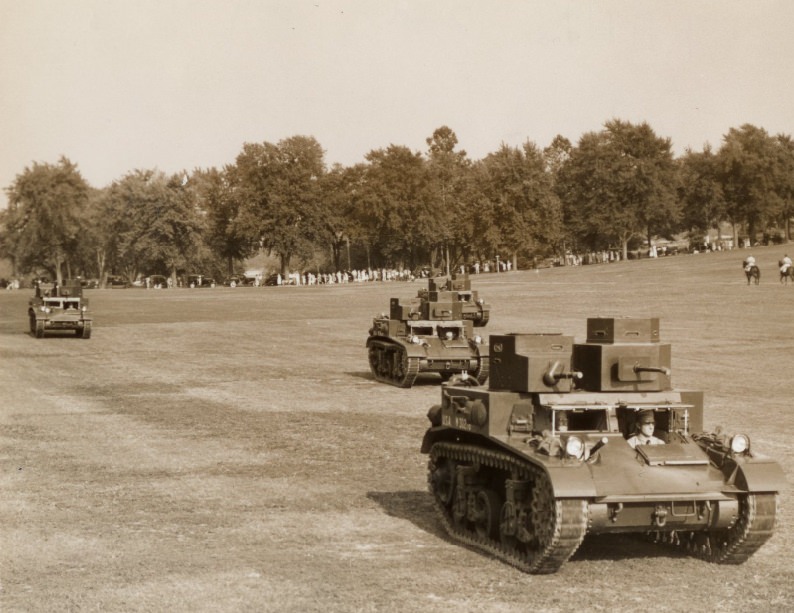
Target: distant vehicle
59,308
272,280
157,282
239,280
117,282
199,281
428,335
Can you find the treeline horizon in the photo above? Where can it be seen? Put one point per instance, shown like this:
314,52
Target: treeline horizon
615,189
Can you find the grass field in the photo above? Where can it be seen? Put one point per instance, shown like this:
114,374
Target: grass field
227,450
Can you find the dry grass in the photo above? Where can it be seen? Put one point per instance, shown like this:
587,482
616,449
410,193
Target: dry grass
226,450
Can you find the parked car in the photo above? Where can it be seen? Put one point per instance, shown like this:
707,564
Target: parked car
199,281
158,282
238,280
116,282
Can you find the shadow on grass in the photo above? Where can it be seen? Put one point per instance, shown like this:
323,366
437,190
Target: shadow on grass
428,380
418,508
415,506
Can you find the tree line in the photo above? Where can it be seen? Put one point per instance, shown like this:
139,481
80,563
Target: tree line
615,189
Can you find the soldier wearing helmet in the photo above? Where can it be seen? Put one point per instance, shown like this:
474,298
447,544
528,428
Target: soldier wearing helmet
645,426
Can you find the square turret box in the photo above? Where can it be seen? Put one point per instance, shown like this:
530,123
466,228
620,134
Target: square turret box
442,296
444,311
623,330
531,362
626,367
401,311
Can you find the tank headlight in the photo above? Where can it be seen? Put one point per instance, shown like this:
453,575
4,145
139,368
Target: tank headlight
416,340
478,339
574,447
740,444
45,309
83,308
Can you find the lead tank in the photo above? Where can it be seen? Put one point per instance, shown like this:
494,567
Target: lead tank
525,468
427,335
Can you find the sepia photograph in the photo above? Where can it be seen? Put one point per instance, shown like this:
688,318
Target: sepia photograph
403,306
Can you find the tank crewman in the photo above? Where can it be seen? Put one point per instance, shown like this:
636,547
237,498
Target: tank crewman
646,425
749,262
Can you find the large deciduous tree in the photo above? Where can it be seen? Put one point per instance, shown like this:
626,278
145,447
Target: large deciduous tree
277,187
396,205
699,191
448,173
156,224
745,164
517,207
619,184
43,221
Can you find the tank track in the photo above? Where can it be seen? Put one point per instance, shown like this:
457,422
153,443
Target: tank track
390,364
483,370
752,528
566,519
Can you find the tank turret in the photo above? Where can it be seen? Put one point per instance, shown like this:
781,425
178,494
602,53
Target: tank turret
574,438
427,335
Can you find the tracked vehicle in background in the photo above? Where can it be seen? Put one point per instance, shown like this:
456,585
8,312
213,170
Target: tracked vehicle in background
427,335
59,308
525,468
458,289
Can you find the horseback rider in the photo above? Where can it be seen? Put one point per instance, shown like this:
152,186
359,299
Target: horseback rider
785,264
748,263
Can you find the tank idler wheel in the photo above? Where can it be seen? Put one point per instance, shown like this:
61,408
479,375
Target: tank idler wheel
487,508
734,545
39,329
442,480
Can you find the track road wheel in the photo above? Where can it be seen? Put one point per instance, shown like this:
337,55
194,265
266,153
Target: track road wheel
487,509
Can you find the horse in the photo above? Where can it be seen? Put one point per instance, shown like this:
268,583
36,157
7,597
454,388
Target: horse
786,272
753,273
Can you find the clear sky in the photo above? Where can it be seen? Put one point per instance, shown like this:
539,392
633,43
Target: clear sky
116,85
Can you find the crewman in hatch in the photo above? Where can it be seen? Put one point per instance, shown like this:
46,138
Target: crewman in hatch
646,424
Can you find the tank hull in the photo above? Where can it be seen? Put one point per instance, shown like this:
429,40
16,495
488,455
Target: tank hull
491,449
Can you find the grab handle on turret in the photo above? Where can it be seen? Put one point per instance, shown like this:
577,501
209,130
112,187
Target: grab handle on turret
665,371
551,376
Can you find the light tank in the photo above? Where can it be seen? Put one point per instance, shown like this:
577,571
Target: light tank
59,308
427,335
458,288
545,455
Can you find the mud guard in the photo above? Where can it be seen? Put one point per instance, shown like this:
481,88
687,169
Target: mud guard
760,477
571,481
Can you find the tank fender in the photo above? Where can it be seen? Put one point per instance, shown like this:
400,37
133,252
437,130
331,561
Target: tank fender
412,350
760,477
571,481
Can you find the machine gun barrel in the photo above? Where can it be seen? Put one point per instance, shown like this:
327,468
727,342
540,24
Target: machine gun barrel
552,376
663,370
